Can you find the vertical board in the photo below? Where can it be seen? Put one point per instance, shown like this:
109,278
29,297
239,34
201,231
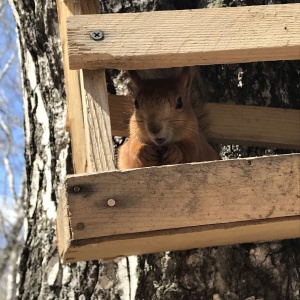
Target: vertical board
74,122
97,121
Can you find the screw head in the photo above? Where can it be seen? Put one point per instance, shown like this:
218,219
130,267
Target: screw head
76,189
80,226
111,202
97,35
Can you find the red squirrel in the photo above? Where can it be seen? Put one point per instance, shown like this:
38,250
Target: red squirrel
164,128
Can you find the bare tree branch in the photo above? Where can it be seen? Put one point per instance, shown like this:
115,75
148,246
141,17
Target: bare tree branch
13,241
7,65
11,221
7,164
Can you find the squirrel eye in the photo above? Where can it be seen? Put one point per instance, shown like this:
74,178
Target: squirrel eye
179,103
136,104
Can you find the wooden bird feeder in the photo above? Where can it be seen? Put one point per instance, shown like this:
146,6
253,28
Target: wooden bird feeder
103,212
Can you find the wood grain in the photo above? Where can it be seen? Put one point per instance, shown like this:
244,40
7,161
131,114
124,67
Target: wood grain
91,147
97,121
89,6
121,109
255,126
182,239
181,207
88,119
230,124
190,37
63,230
170,197
74,122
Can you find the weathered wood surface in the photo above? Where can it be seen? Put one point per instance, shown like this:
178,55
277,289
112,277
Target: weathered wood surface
183,196
190,37
243,125
191,194
97,121
121,108
75,115
63,230
74,122
89,6
255,126
182,239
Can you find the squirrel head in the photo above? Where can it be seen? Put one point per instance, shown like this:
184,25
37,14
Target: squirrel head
163,111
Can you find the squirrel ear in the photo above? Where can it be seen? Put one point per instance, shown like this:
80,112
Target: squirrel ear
184,77
135,78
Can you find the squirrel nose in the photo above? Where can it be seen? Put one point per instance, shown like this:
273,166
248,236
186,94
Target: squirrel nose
160,141
154,128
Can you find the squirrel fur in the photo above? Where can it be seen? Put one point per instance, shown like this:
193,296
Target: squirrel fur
168,125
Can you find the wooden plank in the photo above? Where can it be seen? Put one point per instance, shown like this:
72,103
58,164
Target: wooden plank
182,239
230,124
74,122
97,121
88,117
255,126
63,230
95,108
190,37
190,194
243,200
121,109
89,6
75,119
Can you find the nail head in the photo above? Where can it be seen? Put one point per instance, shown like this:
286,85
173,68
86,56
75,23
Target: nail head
80,226
76,189
111,202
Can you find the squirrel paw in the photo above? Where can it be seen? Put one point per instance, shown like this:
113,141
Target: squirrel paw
148,156
172,156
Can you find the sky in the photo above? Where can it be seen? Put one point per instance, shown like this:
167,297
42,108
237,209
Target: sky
11,116
11,113
11,109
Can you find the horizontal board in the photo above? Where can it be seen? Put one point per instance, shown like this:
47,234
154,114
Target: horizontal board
184,195
179,207
181,239
231,124
190,37
255,126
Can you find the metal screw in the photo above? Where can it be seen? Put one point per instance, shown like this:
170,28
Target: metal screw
97,35
76,189
111,202
80,226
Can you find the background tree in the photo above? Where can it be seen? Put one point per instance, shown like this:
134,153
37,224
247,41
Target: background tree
248,271
11,151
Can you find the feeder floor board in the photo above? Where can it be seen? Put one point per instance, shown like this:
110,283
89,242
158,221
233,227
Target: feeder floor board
179,207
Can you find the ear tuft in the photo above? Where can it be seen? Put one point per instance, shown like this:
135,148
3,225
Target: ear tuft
184,77
135,78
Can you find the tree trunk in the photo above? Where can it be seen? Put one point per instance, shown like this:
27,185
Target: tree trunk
248,271
41,275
